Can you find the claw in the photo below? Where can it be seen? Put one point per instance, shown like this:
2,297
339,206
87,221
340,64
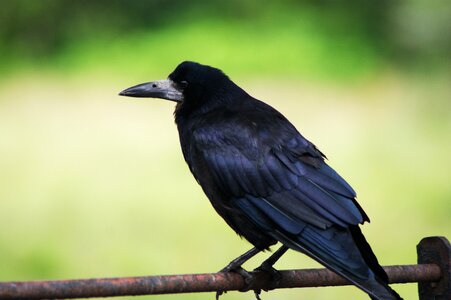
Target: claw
274,275
247,277
257,294
219,293
235,266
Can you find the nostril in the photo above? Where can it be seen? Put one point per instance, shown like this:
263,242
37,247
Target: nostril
154,85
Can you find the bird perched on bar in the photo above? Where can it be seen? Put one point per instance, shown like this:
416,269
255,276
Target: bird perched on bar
268,182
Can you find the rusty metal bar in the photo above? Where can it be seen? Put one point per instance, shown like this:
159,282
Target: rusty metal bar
109,287
433,273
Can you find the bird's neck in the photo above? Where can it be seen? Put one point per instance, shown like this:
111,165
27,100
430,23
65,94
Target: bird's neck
225,98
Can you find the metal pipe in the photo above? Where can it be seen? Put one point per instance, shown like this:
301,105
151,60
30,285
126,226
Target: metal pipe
190,283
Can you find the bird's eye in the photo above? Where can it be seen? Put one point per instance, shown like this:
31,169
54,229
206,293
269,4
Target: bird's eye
183,83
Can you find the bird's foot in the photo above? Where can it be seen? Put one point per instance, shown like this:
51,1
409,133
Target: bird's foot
273,278
273,274
247,277
219,293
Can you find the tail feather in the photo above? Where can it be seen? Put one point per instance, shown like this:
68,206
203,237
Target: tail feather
341,249
370,259
345,251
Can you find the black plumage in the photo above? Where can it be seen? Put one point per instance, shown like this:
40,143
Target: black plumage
266,180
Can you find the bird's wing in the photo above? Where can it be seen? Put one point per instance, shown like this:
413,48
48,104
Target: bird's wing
279,181
282,177
283,186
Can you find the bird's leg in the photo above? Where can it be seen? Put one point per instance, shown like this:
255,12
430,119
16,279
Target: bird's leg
237,262
267,266
235,266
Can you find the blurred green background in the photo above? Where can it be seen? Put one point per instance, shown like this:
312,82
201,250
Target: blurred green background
94,185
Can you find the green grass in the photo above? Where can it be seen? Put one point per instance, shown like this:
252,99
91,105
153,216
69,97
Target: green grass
95,185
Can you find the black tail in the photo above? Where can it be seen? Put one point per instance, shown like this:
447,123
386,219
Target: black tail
370,259
346,252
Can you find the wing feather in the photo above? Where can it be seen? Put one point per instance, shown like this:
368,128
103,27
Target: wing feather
274,178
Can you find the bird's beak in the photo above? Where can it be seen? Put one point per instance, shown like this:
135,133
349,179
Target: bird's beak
164,89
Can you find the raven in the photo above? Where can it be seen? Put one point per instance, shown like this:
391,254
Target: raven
268,182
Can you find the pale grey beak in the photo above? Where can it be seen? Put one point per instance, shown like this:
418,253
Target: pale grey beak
164,89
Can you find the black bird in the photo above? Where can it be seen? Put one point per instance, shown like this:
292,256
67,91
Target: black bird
266,180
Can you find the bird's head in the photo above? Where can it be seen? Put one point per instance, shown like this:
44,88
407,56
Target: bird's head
190,83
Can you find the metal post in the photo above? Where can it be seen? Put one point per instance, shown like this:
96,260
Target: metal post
435,250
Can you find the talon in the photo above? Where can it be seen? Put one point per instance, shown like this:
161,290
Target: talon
235,266
257,294
247,277
219,293
274,275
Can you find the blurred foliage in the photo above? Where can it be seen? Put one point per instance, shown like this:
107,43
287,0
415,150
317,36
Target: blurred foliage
318,38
